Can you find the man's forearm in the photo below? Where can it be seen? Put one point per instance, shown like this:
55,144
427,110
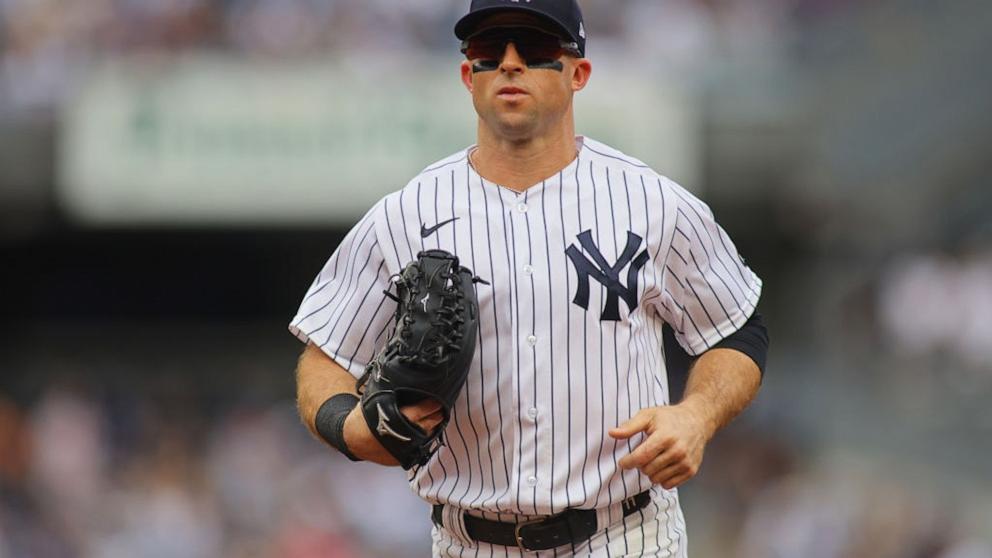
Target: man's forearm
721,384
318,378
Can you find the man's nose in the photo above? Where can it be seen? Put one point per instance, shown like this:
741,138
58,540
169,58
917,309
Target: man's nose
512,61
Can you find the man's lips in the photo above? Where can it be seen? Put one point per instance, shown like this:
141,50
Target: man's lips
511,91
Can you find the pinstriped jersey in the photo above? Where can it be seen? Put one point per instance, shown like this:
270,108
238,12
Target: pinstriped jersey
584,268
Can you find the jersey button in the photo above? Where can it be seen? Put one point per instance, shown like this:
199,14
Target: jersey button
532,480
528,269
522,207
532,412
531,340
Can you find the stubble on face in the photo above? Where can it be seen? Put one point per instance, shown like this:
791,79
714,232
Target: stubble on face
518,102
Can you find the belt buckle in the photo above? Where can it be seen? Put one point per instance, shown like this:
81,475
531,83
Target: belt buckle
519,536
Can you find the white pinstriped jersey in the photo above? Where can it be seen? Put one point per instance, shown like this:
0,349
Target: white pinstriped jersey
584,269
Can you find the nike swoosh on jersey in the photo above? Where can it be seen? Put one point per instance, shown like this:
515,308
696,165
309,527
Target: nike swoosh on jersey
425,232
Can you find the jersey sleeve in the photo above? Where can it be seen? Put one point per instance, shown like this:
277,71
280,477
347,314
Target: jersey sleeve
708,290
345,312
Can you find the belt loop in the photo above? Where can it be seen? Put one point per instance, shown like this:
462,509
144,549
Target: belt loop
604,517
453,521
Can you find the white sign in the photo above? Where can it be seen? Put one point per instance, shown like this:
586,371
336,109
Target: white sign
214,141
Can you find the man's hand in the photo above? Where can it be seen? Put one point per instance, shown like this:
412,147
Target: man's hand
672,451
426,414
721,383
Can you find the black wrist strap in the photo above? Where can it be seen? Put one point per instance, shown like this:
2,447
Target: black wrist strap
329,422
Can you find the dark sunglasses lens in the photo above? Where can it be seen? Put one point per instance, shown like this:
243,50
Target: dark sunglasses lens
485,49
538,46
531,45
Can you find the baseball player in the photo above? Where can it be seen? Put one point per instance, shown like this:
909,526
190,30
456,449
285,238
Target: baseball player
560,438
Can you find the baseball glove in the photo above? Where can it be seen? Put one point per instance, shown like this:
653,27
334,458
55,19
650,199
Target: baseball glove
428,355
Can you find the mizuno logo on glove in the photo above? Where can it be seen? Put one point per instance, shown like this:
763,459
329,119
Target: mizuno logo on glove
383,428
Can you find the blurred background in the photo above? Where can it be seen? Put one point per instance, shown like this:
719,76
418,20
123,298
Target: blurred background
173,173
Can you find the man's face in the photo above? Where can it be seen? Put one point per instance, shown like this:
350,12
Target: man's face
518,101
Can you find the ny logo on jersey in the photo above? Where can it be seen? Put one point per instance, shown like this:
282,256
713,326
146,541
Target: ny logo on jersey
607,275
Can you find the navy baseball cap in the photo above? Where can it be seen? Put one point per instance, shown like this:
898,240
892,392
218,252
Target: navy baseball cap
565,15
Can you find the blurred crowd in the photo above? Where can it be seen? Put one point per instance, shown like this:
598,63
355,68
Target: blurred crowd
171,471
954,292
46,45
115,476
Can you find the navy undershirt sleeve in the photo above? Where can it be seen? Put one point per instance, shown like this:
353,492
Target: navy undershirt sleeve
751,339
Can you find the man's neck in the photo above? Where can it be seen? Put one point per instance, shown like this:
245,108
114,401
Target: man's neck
518,165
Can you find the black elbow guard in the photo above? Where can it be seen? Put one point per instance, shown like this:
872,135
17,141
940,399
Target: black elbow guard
751,339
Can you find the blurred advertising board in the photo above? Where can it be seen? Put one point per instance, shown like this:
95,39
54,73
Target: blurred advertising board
205,140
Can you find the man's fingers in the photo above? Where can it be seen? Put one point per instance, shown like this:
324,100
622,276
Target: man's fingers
675,481
431,421
426,414
428,407
674,475
646,452
421,409
665,460
637,423
430,426
669,472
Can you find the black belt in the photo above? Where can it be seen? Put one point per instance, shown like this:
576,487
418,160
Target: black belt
569,526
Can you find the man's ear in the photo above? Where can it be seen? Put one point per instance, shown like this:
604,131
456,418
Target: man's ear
581,72
466,69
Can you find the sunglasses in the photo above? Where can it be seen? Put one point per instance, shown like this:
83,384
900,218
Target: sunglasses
537,48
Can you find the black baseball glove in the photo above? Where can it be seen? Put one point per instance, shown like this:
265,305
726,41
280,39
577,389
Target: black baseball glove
428,355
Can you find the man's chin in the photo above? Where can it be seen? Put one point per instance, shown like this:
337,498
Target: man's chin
516,127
